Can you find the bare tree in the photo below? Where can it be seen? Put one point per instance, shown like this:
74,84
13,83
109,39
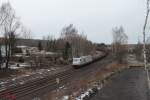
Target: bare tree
3,15
144,43
40,46
69,31
78,42
9,27
119,44
26,33
138,51
50,43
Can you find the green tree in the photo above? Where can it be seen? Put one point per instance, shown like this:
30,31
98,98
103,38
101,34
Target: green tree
40,47
67,50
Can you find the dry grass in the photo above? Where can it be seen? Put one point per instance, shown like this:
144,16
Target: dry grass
78,86
7,73
109,69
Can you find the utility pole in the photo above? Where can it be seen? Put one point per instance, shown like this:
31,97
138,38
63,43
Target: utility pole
144,44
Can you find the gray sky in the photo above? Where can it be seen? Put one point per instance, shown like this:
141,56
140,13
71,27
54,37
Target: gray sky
95,18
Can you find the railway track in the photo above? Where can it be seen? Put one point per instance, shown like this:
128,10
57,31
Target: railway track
17,91
20,80
32,89
27,90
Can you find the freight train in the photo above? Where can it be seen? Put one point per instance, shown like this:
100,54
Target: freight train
84,60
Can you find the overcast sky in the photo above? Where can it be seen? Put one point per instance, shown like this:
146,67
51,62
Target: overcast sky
95,18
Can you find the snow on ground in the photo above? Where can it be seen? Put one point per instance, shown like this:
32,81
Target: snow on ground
2,86
16,65
83,95
65,97
90,91
29,76
19,65
61,87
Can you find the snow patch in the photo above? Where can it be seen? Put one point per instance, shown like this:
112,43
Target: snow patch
61,87
27,75
96,87
14,67
86,93
65,97
22,82
13,79
1,83
48,70
2,89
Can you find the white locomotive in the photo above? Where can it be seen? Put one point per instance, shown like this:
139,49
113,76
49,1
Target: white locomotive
84,60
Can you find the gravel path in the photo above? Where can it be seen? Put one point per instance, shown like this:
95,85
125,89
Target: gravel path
128,85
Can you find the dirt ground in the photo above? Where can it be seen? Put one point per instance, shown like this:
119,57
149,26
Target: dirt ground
5,73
